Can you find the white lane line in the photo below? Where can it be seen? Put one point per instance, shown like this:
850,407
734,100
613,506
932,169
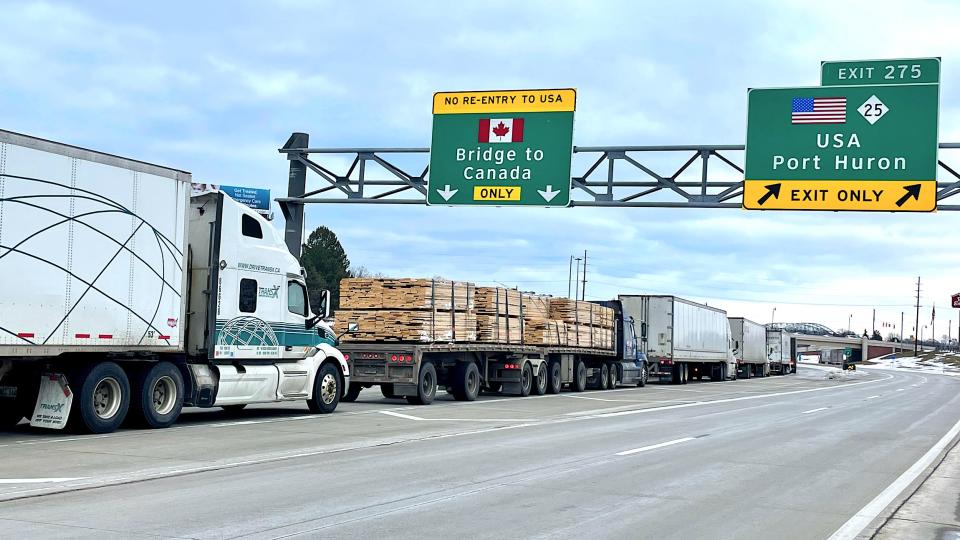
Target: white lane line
899,389
421,419
818,409
38,480
855,525
596,398
400,415
654,446
742,398
873,397
593,412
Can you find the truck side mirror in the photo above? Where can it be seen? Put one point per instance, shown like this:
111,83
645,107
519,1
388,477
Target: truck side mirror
643,331
325,304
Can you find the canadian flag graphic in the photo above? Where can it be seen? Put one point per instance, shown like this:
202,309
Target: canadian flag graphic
500,130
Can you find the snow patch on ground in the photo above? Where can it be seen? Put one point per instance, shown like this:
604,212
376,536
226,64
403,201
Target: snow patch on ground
835,373
934,362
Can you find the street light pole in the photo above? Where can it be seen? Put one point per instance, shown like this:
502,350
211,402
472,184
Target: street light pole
576,282
773,316
849,319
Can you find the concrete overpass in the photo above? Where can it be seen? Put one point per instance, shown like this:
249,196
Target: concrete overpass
863,348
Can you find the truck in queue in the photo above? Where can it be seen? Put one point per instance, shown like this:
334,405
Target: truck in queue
781,352
749,348
502,356
682,340
124,298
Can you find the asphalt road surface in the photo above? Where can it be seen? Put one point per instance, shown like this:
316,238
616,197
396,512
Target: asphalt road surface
781,457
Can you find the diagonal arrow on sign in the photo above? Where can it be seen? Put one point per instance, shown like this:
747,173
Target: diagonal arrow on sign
772,190
548,194
446,192
912,191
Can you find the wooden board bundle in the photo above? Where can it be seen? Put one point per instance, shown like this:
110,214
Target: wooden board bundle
499,329
498,301
545,332
408,325
581,313
406,293
536,307
582,335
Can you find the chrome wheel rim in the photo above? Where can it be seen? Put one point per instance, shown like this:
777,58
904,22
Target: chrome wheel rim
473,382
106,398
328,388
164,395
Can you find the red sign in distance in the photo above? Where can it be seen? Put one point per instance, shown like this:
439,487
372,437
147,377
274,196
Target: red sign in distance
955,299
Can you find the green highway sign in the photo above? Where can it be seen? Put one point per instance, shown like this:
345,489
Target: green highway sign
869,147
502,148
871,72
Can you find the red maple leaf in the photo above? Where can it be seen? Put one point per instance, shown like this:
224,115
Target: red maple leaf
500,130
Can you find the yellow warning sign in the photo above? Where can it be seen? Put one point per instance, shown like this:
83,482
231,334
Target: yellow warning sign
505,101
857,195
496,193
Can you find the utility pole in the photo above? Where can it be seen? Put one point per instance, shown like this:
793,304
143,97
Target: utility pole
576,281
917,328
933,325
901,331
570,277
583,290
874,320
773,316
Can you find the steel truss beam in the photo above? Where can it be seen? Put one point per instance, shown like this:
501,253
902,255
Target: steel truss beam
630,177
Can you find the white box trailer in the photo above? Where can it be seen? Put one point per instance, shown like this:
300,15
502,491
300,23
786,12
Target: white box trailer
780,352
683,340
749,347
120,293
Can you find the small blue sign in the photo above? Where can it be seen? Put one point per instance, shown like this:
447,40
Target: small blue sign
255,198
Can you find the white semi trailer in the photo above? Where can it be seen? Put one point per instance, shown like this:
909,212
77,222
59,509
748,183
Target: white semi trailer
749,348
682,340
121,296
780,352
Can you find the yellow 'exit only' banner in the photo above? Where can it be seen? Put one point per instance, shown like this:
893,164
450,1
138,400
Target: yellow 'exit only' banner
857,195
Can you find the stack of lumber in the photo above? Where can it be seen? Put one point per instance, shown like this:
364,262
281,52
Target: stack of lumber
545,332
406,293
498,315
578,312
416,310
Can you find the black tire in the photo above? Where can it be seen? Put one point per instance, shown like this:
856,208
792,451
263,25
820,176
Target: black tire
526,379
353,391
612,381
494,387
604,376
387,391
466,383
326,389
675,374
101,400
427,387
553,386
157,396
540,382
579,383
747,371
233,409
685,373
644,373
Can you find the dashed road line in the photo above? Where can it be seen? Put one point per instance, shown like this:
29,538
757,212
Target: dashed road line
818,409
655,446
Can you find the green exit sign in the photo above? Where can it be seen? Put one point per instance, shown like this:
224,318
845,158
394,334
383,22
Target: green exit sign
871,72
502,148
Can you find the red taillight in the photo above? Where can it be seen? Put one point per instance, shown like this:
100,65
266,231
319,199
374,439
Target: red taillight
393,358
346,357
409,358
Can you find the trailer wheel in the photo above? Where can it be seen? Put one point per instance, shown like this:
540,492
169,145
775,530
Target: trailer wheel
604,377
466,383
158,396
102,399
387,391
555,381
427,387
352,392
612,384
326,390
684,373
541,382
579,383
526,379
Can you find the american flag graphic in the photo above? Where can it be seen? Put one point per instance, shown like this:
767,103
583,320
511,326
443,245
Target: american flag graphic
819,110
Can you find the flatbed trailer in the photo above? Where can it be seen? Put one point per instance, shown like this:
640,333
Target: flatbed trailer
414,371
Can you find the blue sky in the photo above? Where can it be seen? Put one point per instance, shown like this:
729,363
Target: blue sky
216,87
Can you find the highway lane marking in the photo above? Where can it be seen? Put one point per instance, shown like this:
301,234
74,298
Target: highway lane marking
742,398
655,446
899,389
818,409
39,480
421,419
872,397
598,399
856,524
